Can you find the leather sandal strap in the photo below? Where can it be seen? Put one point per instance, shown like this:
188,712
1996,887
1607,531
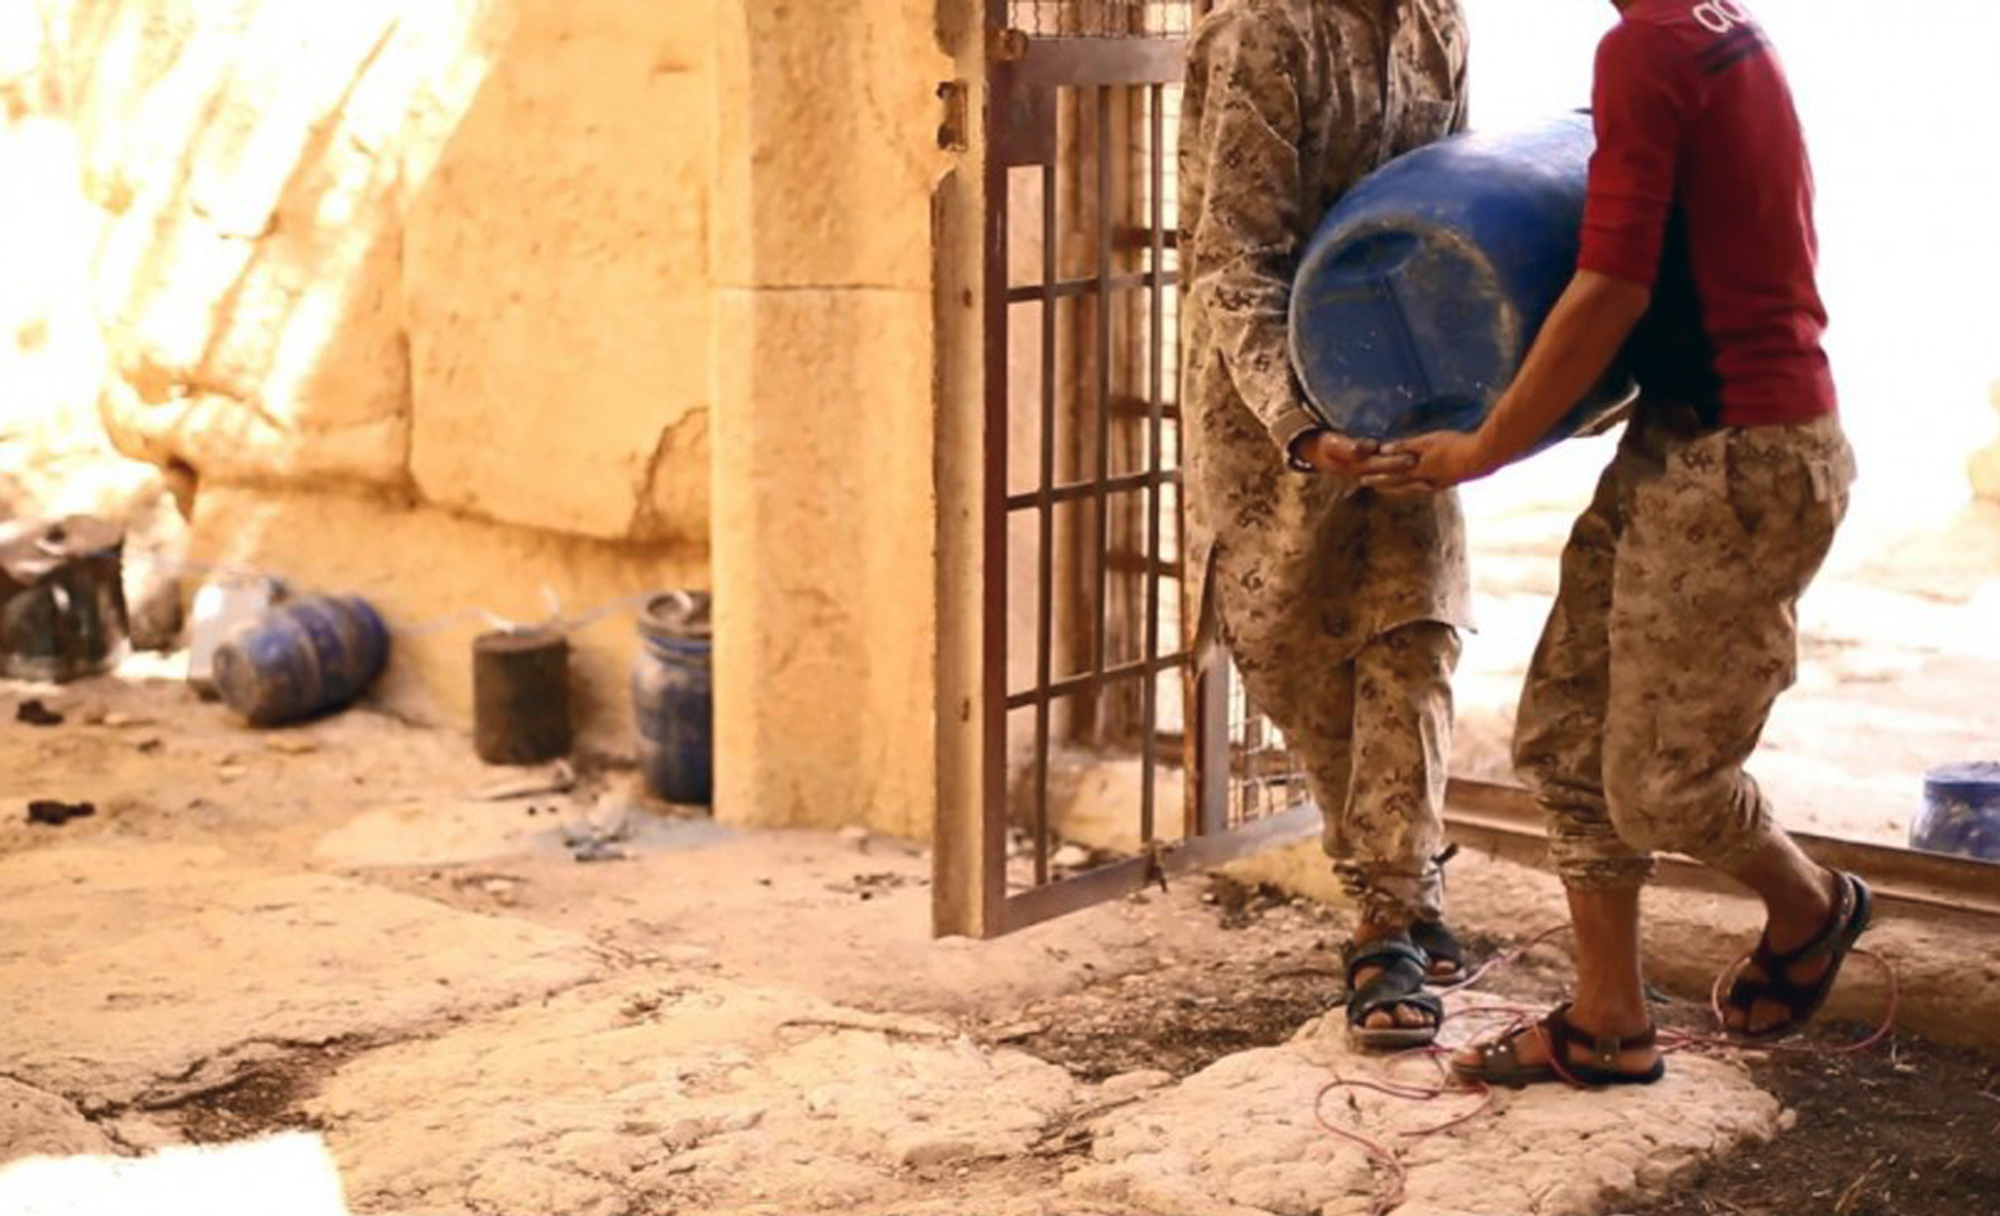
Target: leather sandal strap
1823,942
1834,941
1604,1048
1390,991
1776,985
1387,953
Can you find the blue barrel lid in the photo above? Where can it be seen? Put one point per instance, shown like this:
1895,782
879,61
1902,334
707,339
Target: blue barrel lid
1980,778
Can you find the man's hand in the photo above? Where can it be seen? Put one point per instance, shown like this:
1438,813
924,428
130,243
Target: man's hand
1358,459
1433,463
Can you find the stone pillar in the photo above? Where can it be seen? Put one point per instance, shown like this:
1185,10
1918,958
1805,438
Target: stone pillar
822,446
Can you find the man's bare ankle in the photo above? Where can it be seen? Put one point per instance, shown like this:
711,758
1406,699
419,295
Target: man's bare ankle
1618,1019
1801,916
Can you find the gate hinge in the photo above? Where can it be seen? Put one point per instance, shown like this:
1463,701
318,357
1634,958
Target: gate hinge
1006,45
951,130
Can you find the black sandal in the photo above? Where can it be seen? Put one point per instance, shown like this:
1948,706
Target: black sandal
1399,984
1439,945
1436,940
1835,940
1499,1063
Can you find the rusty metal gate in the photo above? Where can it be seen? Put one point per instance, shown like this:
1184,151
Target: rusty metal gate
1084,698
1092,721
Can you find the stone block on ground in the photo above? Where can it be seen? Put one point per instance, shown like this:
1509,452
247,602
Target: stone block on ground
703,1097
157,967
37,1124
1244,1136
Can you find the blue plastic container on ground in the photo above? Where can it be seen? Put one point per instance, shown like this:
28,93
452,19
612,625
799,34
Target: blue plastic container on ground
302,659
1424,287
1961,812
673,698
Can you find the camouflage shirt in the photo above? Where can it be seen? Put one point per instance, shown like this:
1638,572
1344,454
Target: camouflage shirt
1288,104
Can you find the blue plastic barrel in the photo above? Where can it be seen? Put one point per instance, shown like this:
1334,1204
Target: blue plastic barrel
673,698
1421,292
1961,812
303,658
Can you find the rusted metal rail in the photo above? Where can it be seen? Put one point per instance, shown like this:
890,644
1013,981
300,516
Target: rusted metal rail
1504,820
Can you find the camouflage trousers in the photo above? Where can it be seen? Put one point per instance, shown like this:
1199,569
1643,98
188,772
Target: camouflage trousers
1672,635
1372,728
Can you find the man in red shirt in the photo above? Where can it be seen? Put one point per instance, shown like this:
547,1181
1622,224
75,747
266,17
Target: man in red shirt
1674,629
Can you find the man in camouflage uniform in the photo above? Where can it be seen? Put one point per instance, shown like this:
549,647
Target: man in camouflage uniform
1340,608
1675,626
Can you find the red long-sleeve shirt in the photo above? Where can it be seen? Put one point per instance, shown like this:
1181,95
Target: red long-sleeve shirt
1701,190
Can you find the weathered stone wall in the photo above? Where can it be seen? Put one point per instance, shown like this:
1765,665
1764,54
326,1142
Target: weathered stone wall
448,302
455,248
384,271
558,283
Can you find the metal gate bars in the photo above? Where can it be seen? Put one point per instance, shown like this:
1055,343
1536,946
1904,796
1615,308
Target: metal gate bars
1088,722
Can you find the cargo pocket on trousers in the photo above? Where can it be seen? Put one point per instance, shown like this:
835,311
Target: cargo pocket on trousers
1695,495
1787,504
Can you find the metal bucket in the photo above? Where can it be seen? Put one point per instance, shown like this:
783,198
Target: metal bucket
520,696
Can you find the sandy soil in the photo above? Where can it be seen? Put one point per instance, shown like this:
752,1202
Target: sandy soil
338,930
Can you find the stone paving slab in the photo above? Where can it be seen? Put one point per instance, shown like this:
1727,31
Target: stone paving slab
694,1096
34,1123
708,1095
1241,1138
151,966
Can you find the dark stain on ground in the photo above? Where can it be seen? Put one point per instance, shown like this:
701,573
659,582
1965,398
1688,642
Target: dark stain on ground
1181,1017
1909,1129
267,1097
1160,1025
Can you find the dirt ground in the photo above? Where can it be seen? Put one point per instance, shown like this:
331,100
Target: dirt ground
344,929
1907,1130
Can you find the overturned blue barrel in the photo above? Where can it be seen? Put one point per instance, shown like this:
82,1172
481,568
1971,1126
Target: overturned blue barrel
1424,287
1961,812
673,698
304,658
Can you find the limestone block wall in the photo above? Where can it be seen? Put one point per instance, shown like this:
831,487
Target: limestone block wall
557,278
462,303
420,293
